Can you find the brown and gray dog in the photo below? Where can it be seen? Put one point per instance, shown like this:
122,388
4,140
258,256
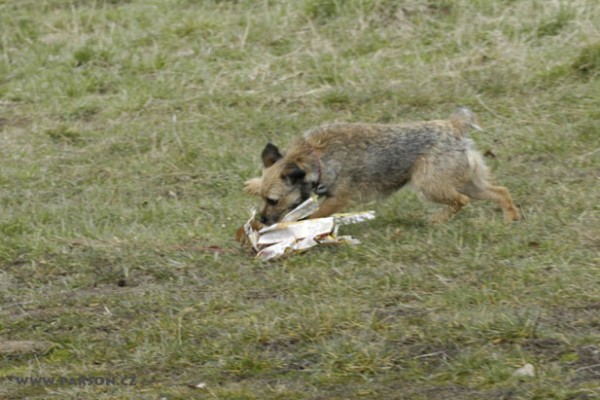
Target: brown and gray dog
363,162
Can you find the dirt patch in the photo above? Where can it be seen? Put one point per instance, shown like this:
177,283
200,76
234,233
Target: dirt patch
14,121
548,348
587,367
105,290
577,318
17,348
451,392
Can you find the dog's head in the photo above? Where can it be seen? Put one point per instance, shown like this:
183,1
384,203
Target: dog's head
283,185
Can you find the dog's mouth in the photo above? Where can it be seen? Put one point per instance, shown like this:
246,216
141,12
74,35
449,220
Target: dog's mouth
271,219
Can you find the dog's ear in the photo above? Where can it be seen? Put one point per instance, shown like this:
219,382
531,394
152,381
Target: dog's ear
293,173
270,155
252,186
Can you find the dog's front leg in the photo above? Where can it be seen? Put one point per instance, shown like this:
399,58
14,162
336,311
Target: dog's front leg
331,205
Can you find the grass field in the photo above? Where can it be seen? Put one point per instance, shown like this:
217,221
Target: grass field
129,127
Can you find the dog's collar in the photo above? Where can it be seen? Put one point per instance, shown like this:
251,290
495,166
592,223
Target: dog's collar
319,167
318,188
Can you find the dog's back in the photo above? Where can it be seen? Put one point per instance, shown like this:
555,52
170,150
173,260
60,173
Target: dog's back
378,159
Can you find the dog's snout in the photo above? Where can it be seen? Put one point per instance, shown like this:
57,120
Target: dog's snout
264,219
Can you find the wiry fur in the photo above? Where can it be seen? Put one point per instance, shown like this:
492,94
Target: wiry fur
370,161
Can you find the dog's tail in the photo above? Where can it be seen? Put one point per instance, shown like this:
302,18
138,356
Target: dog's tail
479,171
462,120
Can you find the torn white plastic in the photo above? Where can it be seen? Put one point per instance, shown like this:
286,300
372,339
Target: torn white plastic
295,230
292,235
354,218
303,210
276,250
251,233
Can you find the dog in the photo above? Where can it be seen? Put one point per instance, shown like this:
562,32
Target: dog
343,162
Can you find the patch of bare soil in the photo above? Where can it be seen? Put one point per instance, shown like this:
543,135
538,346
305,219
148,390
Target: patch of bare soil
587,366
17,348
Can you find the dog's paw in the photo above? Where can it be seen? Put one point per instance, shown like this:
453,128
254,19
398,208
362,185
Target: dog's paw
512,215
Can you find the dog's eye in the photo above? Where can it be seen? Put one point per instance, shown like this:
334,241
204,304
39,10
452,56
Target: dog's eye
271,202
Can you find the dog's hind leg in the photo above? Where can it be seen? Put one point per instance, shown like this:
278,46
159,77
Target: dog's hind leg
499,194
479,188
449,196
437,185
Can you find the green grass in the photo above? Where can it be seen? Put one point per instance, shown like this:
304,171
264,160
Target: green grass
129,127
